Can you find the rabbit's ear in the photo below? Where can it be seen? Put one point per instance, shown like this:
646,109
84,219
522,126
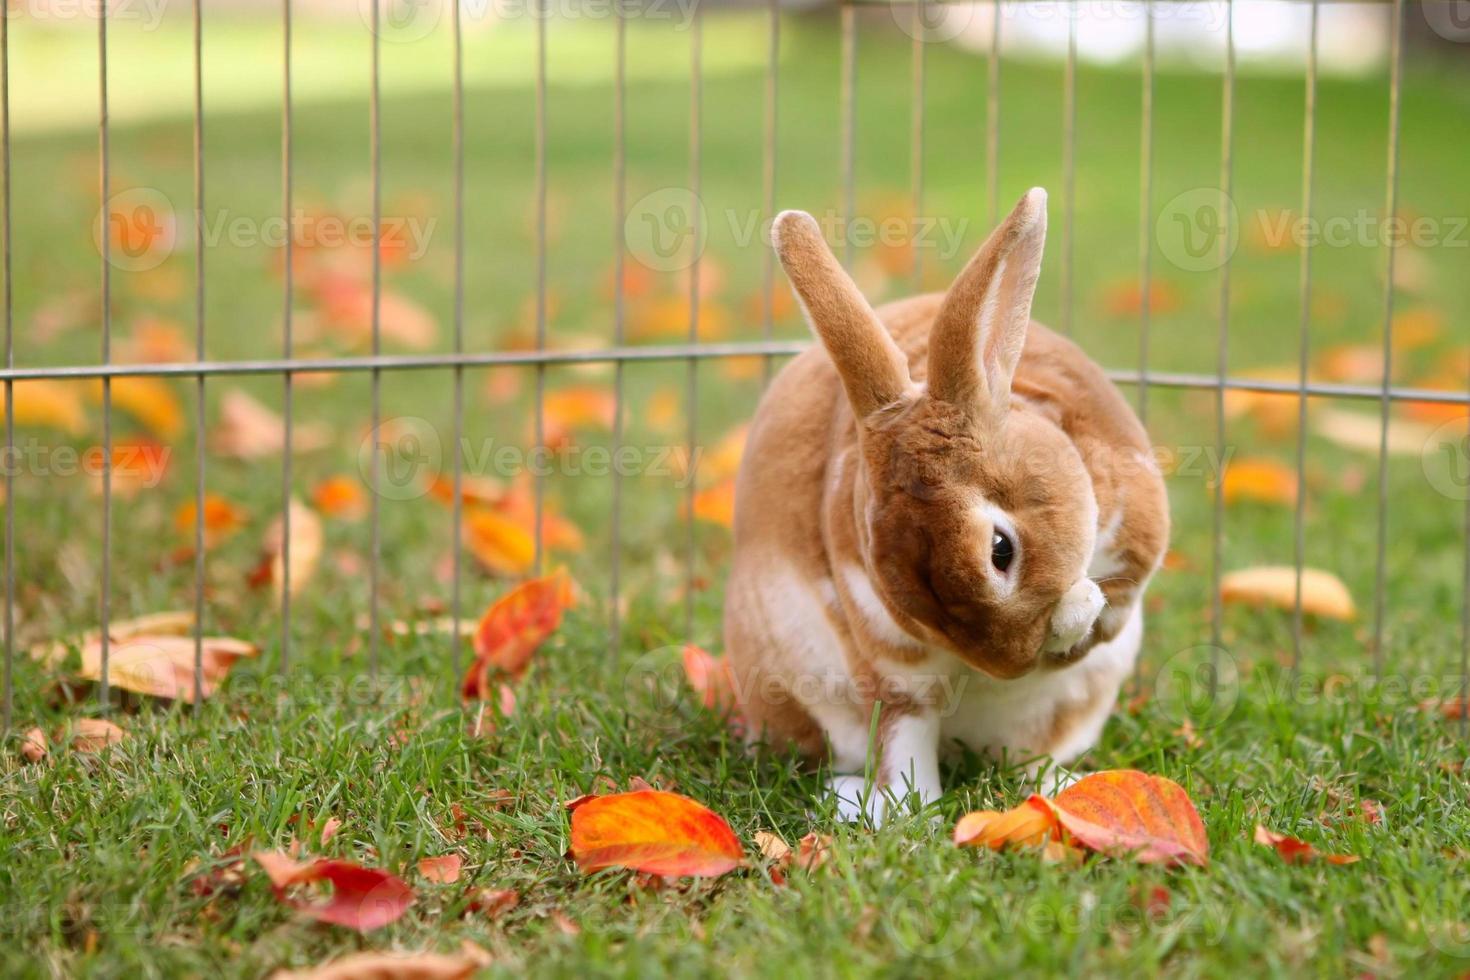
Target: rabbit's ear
874,371
981,326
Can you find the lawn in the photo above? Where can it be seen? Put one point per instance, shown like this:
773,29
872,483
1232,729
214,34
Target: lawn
101,851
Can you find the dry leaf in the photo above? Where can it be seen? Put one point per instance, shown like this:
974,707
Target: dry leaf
716,504
1361,432
503,544
569,409
250,431
654,832
33,745
1294,851
395,966
361,899
1031,823
162,666
49,404
514,627
771,846
148,399
494,902
221,518
1149,818
1352,364
1323,594
710,678
1262,480
443,870
307,539
329,830
90,735
340,497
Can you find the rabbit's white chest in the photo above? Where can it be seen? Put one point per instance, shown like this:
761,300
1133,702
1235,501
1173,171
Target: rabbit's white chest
1021,717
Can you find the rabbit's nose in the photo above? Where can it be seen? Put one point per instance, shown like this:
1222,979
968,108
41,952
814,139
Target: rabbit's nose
1075,615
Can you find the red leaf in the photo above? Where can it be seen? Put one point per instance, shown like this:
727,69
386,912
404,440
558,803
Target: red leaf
710,677
515,626
653,832
361,899
1126,811
1295,851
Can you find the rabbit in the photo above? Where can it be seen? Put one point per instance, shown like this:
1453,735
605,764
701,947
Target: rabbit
945,519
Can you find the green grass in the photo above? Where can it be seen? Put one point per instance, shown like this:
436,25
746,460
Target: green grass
100,851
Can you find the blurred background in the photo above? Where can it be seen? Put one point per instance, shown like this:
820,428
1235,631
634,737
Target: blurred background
917,213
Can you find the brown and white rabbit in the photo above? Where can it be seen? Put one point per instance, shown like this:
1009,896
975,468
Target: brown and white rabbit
944,511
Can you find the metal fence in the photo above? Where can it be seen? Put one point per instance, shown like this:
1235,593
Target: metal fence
692,353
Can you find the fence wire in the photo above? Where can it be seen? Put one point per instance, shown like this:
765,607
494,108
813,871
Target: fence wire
694,351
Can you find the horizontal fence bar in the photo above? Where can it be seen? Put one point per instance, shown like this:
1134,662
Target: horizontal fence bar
668,352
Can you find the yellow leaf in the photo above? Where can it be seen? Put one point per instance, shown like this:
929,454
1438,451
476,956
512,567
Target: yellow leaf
48,404
502,544
149,400
1323,594
1262,480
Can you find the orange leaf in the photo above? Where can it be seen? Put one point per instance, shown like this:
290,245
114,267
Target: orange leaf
576,408
1125,298
710,677
162,666
361,899
1129,812
474,489
396,966
1033,822
494,902
1323,594
340,497
1416,327
1262,480
33,745
1352,363
514,627
91,735
653,832
47,403
149,400
221,518
1295,851
716,504
250,431
503,544
307,539
443,869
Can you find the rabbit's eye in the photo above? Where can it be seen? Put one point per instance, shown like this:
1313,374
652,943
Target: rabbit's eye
1002,551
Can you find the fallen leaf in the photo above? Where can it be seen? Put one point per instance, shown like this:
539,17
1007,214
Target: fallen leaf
772,846
503,544
710,678
1362,432
221,518
716,504
1323,594
361,899
329,830
1125,298
1295,851
654,832
514,627
1274,411
569,409
162,666
1351,364
443,870
340,497
812,851
250,431
49,404
148,399
137,465
91,735
1416,327
307,539
1128,812
1261,480
395,966
154,340
475,489
1033,822
1451,708
493,902
33,745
